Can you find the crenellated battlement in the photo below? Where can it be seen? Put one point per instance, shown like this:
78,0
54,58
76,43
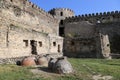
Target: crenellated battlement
61,9
29,4
39,9
94,17
35,6
64,12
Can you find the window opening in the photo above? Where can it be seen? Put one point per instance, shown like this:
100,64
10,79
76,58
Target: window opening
61,13
40,43
26,42
54,43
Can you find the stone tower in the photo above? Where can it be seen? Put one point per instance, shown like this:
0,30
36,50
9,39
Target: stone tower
61,14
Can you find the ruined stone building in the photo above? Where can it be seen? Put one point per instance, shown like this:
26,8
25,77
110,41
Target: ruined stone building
90,35
26,29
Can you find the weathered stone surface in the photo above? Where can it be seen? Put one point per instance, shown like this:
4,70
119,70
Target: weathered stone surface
26,30
63,66
81,33
51,64
60,65
11,60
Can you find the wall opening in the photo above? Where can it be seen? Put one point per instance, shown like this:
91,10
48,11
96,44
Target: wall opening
33,47
58,48
108,45
72,43
32,5
61,13
54,43
40,44
11,0
84,43
26,43
61,31
61,22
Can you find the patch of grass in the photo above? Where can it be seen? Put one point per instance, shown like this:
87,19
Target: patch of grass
13,72
84,69
97,66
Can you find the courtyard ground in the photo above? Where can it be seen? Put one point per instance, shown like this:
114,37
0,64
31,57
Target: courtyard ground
84,69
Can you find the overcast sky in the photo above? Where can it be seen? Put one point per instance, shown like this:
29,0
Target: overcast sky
80,6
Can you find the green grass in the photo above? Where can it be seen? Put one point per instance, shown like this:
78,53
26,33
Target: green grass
14,72
84,69
97,66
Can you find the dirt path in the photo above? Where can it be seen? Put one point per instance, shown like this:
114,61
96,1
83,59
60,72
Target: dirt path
45,73
97,76
100,77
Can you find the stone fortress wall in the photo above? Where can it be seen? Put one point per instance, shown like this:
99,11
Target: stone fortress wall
92,35
61,14
27,13
26,29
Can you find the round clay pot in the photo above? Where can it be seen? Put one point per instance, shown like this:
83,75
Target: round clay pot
42,61
28,61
